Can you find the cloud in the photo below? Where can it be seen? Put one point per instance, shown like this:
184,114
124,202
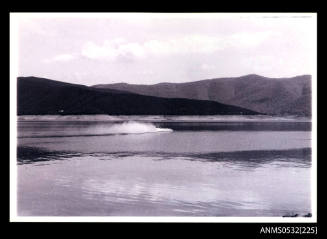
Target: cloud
60,58
246,39
111,50
120,48
64,57
183,45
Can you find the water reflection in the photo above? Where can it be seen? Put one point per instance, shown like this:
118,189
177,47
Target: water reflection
246,159
136,185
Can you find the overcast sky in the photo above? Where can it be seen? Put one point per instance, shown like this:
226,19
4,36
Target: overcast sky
153,48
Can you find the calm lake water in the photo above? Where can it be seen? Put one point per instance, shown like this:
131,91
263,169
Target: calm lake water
163,166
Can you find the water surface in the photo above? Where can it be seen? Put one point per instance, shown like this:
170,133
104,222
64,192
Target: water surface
163,166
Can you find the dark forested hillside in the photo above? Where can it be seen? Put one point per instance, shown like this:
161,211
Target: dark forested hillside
38,96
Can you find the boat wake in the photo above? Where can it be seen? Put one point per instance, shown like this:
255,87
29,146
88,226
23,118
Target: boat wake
130,127
133,127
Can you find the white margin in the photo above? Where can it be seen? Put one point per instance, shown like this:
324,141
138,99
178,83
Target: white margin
13,115
314,138
14,23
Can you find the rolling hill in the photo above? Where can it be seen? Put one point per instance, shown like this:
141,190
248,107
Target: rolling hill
39,96
276,96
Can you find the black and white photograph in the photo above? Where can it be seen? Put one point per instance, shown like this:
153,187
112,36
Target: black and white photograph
163,117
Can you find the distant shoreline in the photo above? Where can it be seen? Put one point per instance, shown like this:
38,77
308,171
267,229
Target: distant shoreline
166,118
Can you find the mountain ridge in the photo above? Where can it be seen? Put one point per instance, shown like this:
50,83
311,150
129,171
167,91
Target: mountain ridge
40,96
266,95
